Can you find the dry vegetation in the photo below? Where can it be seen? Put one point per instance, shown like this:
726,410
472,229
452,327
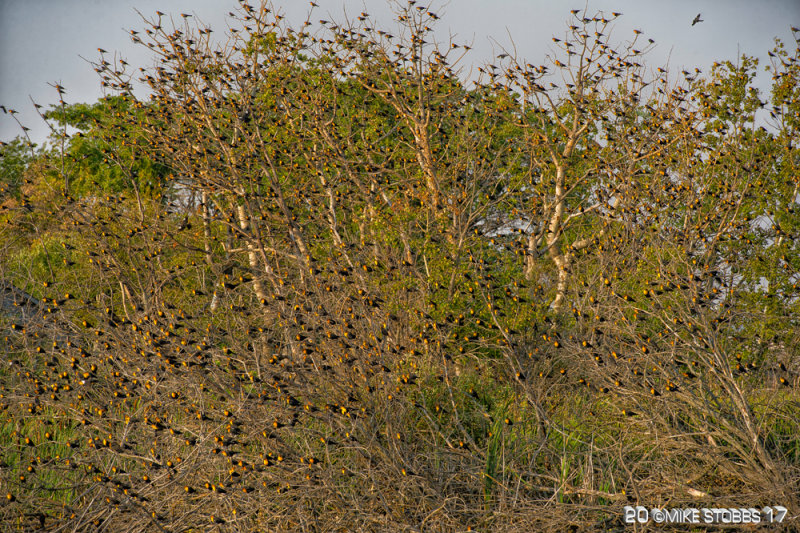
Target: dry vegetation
318,281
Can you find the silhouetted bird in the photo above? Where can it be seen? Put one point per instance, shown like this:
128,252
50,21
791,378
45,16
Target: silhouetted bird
697,19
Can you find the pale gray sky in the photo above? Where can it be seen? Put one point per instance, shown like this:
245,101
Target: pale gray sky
42,41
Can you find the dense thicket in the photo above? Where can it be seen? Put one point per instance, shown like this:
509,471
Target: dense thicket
317,280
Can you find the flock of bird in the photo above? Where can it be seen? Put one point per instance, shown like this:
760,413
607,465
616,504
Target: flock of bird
184,387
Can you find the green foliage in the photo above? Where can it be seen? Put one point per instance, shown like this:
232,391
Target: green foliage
15,156
329,281
99,156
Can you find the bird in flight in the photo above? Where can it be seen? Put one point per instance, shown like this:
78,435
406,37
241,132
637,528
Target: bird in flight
697,19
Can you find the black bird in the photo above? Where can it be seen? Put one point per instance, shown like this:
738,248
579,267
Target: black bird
697,19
